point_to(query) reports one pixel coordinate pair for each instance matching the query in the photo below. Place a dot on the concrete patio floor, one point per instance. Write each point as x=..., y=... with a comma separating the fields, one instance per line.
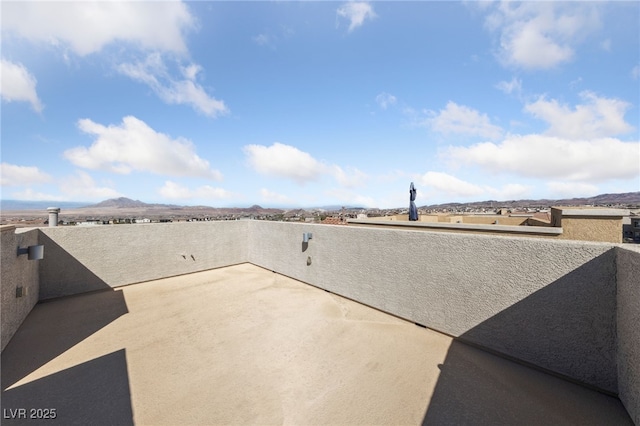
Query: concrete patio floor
x=243, y=345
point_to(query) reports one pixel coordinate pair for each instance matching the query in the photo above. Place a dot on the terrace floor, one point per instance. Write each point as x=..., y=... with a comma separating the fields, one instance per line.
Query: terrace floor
x=243, y=345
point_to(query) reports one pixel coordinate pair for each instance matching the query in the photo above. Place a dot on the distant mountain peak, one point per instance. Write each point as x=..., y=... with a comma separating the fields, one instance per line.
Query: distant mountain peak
x=121, y=202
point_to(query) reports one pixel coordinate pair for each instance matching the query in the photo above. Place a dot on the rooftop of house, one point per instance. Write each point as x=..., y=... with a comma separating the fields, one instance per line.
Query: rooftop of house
x=244, y=345
x=593, y=223
x=334, y=221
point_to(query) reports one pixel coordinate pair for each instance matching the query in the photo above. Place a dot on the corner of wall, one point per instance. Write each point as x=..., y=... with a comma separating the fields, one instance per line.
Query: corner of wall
x=19, y=280
x=628, y=332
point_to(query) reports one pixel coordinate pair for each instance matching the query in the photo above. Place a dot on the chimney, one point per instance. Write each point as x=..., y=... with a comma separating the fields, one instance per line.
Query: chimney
x=53, y=216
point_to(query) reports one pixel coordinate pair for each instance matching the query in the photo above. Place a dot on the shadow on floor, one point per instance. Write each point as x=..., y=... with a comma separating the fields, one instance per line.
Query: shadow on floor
x=478, y=388
x=54, y=327
x=95, y=392
x=568, y=327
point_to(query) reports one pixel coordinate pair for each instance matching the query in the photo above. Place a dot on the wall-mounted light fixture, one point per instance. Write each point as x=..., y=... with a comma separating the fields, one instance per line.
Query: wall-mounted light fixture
x=306, y=236
x=33, y=252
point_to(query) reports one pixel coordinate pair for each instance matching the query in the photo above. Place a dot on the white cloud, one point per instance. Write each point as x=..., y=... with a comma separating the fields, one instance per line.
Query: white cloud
x=190, y=72
x=14, y=175
x=154, y=73
x=81, y=186
x=271, y=38
x=176, y=191
x=575, y=83
x=356, y=13
x=606, y=45
x=450, y=185
x=87, y=26
x=262, y=39
x=541, y=35
x=511, y=191
x=596, y=118
x=351, y=178
x=418, y=117
x=541, y=156
x=284, y=161
x=384, y=100
x=571, y=189
x=18, y=84
x=509, y=87
x=134, y=145
x=459, y=119
x=273, y=197
x=635, y=72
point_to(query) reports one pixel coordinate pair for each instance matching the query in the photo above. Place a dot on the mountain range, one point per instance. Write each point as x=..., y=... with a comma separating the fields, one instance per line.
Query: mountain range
x=124, y=202
x=630, y=199
x=624, y=199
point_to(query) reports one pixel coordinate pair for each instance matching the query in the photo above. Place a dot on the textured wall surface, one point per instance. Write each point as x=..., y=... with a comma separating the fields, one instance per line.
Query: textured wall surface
x=464, y=228
x=547, y=302
x=487, y=220
x=16, y=272
x=629, y=330
x=550, y=303
x=592, y=229
x=81, y=259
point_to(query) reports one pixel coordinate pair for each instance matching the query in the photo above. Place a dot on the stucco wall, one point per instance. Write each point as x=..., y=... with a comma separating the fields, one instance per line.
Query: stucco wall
x=477, y=219
x=629, y=330
x=550, y=303
x=589, y=224
x=82, y=259
x=462, y=228
x=427, y=218
x=502, y=220
x=16, y=271
x=592, y=229
x=534, y=221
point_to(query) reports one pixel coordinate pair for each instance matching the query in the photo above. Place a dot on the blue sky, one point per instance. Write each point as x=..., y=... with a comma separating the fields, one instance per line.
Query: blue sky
x=319, y=103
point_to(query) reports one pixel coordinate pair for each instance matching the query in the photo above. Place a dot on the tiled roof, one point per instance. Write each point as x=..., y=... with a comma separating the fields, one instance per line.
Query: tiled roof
x=334, y=221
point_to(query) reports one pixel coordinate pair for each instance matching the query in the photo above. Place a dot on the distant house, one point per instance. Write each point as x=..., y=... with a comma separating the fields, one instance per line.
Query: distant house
x=563, y=223
x=632, y=228
x=90, y=222
x=334, y=221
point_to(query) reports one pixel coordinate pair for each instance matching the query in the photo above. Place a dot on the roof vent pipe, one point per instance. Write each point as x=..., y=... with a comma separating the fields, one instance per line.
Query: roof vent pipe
x=53, y=216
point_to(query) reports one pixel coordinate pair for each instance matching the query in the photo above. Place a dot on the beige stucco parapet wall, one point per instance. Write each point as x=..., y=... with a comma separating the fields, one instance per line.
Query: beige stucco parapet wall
x=589, y=224
x=567, y=223
x=467, y=228
x=628, y=331
x=568, y=307
x=16, y=272
x=81, y=259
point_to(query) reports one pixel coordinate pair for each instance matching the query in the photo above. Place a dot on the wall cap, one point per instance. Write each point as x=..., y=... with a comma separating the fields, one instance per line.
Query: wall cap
x=514, y=229
x=572, y=211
